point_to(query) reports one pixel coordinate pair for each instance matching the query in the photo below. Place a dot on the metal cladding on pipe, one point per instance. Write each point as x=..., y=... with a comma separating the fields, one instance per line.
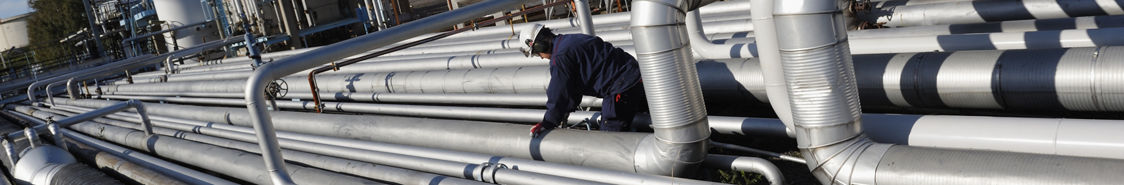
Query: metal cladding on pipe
x=529, y=100
x=1079, y=23
x=230, y=162
x=746, y=164
x=256, y=85
x=599, y=175
x=821, y=86
x=825, y=107
x=992, y=41
x=343, y=159
x=987, y=11
x=605, y=150
x=1078, y=79
x=41, y=164
x=672, y=86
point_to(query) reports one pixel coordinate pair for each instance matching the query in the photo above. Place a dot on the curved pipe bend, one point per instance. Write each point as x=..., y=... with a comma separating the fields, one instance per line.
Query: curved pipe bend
x=671, y=81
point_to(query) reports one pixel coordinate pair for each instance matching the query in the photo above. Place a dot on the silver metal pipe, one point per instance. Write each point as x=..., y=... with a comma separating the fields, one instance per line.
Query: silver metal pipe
x=70, y=91
x=314, y=154
x=245, y=143
x=746, y=164
x=584, y=18
x=564, y=170
x=991, y=41
x=231, y=162
x=826, y=110
x=256, y=84
x=987, y=11
x=529, y=100
x=1076, y=23
x=761, y=152
x=179, y=172
x=671, y=83
x=770, y=61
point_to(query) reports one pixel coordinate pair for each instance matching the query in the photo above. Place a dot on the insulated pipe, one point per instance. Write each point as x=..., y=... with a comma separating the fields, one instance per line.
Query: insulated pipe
x=991, y=41
x=583, y=16
x=530, y=100
x=721, y=124
x=167, y=168
x=770, y=61
x=986, y=11
x=256, y=84
x=132, y=172
x=705, y=48
x=41, y=164
x=124, y=64
x=326, y=157
x=821, y=85
x=599, y=175
x=1078, y=79
x=1077, y=23
x=386, y=173
x=230, y=162
x=674, y=95
x=746, y=164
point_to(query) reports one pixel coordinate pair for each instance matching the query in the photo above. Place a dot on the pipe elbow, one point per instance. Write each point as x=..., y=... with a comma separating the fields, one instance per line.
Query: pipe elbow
x=657, y=157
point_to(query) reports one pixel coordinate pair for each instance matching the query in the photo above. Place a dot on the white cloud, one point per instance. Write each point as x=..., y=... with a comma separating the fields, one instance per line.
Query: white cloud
x=9, y=8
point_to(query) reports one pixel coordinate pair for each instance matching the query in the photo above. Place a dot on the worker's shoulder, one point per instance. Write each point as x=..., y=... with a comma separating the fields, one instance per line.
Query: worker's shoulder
x=578, y=42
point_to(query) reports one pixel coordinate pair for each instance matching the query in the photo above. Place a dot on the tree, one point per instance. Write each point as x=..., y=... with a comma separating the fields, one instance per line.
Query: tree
x=52, y=21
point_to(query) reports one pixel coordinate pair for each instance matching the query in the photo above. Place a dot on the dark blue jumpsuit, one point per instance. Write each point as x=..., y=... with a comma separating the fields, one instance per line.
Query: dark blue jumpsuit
x=587, y=65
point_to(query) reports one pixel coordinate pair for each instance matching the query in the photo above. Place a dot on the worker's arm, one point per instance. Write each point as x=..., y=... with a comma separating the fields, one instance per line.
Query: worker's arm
x=562, y=94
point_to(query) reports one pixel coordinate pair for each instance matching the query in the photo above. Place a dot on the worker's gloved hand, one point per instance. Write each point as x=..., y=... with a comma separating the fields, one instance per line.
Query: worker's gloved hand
x=539, y=128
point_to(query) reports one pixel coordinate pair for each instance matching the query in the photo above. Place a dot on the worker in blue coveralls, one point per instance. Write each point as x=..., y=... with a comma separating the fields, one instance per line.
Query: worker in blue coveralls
x=586, y=65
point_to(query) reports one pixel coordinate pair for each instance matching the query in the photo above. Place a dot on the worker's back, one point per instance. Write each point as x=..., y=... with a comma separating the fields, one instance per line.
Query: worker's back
x=597, y=68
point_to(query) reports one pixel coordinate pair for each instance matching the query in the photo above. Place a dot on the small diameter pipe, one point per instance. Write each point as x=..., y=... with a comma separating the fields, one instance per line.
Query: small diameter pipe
x=758, y=151
x=746, y=164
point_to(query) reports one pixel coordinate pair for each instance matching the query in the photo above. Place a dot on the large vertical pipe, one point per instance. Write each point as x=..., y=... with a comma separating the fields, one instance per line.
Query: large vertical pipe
x=671, y=83
x=584, y=17
x=256, y=84
x=824, y=97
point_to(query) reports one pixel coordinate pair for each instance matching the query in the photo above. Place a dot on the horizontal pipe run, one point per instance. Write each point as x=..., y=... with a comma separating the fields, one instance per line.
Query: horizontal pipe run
x=1077, y=23
x=986, y=11
x=234, y=163
x=599, y=175
x=721, y=124
x=179, y=172
x=132, y=172
x=311, y=154
x=529, y=100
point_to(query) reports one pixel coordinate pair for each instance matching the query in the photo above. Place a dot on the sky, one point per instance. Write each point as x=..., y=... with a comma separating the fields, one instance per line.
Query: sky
x=9, y=8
